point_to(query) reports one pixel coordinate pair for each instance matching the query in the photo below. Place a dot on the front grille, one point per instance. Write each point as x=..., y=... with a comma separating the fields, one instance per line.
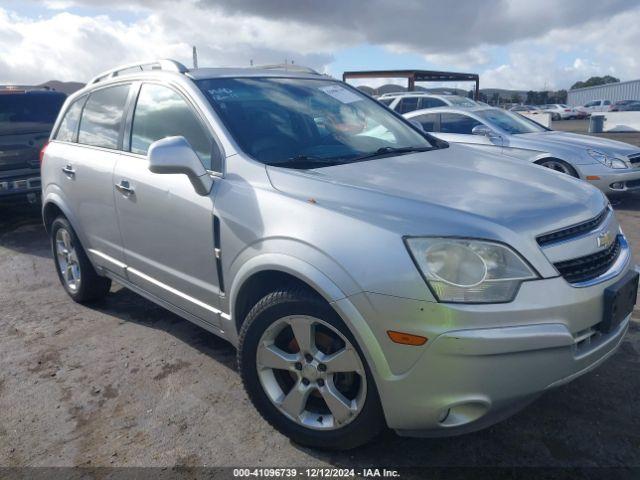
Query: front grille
x=632, y=183
x=635, y=158
x=573, y=231
x=587, y=268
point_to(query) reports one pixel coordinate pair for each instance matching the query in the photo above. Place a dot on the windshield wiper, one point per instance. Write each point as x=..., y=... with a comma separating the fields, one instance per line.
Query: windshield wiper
x=386, y=151
x=305, y=162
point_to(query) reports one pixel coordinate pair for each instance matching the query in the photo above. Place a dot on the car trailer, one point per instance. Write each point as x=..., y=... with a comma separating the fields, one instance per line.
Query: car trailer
x=414, y=76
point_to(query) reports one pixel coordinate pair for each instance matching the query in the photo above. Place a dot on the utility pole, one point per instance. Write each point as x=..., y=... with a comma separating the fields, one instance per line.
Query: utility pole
x=195, y=57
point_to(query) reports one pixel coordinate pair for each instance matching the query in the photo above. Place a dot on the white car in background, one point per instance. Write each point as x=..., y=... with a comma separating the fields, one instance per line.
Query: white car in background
x=612, y=166
x=404, y=102
x=594, y=106
x=560, y=111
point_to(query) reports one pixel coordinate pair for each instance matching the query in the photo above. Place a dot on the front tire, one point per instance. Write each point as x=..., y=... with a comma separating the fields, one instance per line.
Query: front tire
x=559, y=166
x=305, y=374
x=77, y=275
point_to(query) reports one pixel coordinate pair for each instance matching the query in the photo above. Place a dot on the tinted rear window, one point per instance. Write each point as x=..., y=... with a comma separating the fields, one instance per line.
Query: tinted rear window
x=102, y=117
x=69, y=125
x=408, y=104
x=37, y=109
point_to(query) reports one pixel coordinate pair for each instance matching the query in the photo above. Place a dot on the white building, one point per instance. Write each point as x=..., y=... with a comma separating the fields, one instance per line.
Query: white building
x=612, y=91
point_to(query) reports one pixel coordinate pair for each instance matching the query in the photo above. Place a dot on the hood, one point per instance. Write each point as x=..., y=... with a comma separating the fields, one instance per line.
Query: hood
x=456, y=185
x=21, y=128
x=566, y=139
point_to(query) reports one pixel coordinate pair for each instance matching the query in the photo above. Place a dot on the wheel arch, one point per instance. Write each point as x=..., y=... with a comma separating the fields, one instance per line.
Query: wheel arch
x=546, y=158
x=261, y=275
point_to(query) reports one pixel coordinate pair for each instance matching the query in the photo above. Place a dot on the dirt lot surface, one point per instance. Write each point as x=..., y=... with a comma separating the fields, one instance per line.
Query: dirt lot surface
x=127, y=383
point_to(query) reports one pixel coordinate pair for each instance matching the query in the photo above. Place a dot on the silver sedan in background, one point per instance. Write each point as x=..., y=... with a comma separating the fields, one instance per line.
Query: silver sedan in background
x=613, y=167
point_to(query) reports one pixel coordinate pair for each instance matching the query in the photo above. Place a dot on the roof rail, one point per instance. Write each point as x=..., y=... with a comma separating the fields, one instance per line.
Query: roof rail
x=407, y=93
x=162, y=64
x=291, y=68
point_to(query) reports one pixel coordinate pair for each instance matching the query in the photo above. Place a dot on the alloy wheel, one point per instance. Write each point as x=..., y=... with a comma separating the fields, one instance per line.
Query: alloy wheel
x=557, y=166
x=67, y=259
x=311, y=372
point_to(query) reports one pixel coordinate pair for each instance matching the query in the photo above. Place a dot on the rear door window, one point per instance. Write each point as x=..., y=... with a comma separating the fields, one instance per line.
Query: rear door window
x=408, y=104
x=457, y=123
x=428, y=121
x=69, y=126
x=161, y=112
x=431, y=103
x=102, y=117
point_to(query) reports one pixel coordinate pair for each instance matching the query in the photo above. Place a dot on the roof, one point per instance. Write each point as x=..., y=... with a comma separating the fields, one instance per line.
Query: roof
x=172, y=66
x=204, y=73
x=451, y=109
x=414, y=93
x=612, y=84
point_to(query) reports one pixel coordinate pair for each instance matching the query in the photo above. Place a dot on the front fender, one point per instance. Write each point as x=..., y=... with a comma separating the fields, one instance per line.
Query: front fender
x=325, y=286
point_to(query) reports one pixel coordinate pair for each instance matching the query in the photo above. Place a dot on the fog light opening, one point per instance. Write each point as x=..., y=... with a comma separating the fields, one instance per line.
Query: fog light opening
x=463, y=413
x=444, y=415
x=617, y=186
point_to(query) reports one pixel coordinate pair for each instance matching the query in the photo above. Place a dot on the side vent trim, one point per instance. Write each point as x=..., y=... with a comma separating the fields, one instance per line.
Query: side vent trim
x=218, y=252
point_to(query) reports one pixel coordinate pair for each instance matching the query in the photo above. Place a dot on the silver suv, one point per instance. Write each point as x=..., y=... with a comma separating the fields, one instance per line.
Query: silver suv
x=370, y=275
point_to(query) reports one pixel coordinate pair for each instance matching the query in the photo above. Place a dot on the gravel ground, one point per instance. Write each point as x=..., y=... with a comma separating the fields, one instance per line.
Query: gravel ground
x=126, y=383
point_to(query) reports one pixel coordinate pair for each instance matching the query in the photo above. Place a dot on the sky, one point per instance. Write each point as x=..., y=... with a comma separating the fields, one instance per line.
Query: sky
x=513, y=44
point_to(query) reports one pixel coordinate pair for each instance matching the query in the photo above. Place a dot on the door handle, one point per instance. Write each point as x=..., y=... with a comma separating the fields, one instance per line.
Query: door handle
x=125, y=188
x=68, y=170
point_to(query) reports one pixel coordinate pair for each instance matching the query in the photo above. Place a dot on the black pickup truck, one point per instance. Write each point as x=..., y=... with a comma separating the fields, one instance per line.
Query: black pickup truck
x=26, y=120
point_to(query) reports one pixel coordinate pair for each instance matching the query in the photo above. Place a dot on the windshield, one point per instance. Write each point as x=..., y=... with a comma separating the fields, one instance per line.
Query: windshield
x=24, y=110
x=307, y=123
x=510, y=122
x=461, y=101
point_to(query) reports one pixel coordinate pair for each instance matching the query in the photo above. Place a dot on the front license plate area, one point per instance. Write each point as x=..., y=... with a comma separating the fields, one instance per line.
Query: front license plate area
x=619, y=300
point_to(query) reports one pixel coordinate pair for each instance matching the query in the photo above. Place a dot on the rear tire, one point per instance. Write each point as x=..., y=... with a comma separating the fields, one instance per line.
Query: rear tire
x=77, y=275
x=316, y=423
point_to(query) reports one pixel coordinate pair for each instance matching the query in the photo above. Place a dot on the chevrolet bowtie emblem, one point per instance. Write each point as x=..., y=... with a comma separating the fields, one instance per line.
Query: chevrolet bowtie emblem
x=605, y=239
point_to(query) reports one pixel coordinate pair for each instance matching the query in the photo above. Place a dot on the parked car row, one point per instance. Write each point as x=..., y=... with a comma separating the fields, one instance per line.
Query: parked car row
x=371, y=275
x=625, y=106
x=608, y=106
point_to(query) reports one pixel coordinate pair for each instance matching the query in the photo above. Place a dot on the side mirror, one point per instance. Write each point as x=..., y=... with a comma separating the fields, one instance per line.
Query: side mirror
x=175, y=155
x=482, y=130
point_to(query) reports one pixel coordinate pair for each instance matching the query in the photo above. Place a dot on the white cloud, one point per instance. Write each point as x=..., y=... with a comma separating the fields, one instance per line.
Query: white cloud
x=68, y=46
x=548, y=43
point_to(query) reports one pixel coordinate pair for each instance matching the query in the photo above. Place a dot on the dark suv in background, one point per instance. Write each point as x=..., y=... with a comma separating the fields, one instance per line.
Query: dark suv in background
x=26, y=119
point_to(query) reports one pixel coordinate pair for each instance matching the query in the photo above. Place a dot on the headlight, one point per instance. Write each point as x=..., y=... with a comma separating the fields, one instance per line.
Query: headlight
x=606, y=160
x=469, y=271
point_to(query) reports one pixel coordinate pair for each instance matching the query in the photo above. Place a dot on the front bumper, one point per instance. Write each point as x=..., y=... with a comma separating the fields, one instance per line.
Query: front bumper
x=482, y=363
x=629, y=179
x=20, y=185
